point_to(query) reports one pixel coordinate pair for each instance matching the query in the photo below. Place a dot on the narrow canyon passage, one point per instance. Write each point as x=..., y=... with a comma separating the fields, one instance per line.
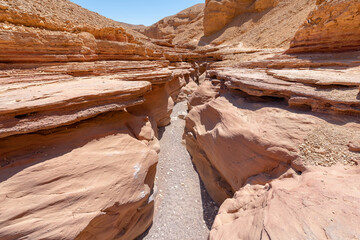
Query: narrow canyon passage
x=183, y=208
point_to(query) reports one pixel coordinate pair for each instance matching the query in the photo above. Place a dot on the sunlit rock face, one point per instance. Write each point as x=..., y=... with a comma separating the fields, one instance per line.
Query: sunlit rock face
x=273, y=134
x=307, y=206
x=88, y=180
x=82, y=98
x=219, y=13
x=332, y=26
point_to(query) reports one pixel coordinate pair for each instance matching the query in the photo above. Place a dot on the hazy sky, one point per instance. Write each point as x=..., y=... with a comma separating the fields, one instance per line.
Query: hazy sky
x=144, y=12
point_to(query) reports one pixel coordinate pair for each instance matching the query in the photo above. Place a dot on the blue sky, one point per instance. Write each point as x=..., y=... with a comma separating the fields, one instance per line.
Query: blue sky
x=144, y=12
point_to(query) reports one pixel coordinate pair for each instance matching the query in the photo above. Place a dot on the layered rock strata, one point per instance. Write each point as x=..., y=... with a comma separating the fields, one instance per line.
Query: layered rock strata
x=273, y=136
x=81, y=99
x=178, y=29
x=249, y=139
x=52, y=120
x=219, y=13
x=332, y=26
x=316, y=89
x=28, y=44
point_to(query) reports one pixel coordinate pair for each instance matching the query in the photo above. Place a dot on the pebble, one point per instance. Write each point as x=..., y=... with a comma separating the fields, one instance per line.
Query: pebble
x=181, y=209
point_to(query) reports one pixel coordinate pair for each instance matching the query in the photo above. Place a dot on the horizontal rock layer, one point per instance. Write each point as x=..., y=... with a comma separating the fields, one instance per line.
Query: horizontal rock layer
x=81, y=100
x=48, y=96
x=28, y=44
x=66, y=183
x=265, y=125
x=332, y=26
x=308, y=91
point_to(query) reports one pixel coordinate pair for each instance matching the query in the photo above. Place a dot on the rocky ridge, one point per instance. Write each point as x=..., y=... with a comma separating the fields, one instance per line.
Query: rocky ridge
x=179, y=29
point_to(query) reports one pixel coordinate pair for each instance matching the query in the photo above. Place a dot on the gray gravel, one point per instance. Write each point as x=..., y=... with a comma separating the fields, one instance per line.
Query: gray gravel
x=183, y=208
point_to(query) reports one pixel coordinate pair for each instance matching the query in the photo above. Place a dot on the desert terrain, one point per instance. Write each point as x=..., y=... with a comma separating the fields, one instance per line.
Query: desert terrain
x=233, y=119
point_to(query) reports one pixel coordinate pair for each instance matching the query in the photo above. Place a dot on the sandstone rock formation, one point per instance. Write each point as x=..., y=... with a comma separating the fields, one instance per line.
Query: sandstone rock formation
x=273, y=130
x=243, y=134
x=65, y=182
x=178, y=29
x=219, y=13
x=81, y=99
x=332, y=26
x=306, y=206
x=254, y=138
x=274, y=135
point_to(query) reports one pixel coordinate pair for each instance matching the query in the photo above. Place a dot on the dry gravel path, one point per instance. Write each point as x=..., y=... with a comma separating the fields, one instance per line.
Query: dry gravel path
x=183, y=209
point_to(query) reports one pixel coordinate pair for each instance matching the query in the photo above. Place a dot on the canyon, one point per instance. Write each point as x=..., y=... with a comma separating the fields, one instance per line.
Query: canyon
x=263, y=142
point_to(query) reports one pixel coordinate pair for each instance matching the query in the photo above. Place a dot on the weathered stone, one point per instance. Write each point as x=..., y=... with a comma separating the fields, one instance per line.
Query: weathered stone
x=306, y=206
x=65, y=182
x=354, y=145
x=219, y=13
x=332, y=26
x=297, y=92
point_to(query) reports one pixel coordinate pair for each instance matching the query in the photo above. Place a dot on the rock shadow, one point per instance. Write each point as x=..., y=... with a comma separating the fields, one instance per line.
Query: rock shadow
x=329, y=60
x=44, y=145
x=142, y=236
x=236, y=22
x=242, y=100
x=210, y=208
x=161, y=131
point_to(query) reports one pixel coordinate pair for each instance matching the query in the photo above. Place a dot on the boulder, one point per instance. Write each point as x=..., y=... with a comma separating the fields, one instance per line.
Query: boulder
x=89, y=180
x=319, y=204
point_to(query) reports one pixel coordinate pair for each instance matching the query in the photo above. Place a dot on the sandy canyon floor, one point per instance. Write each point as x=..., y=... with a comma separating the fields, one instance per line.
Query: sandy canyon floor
x=182, y=205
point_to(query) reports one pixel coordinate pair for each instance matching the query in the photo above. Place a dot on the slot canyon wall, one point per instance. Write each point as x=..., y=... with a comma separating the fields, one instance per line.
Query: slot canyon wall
x=273, y=132
x=82, y=97
x=273, y=127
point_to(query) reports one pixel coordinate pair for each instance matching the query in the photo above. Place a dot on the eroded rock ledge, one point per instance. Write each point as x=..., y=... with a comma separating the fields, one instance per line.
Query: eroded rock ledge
x=270, y=133
x=81, y=103
x=332, y=26
x=273, y=135
x=73, y=135
x=257, y=138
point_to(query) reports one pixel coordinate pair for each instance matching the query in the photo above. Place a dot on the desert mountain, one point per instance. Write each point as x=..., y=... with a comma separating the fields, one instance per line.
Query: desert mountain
x=251, y=24
x=184, y=28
